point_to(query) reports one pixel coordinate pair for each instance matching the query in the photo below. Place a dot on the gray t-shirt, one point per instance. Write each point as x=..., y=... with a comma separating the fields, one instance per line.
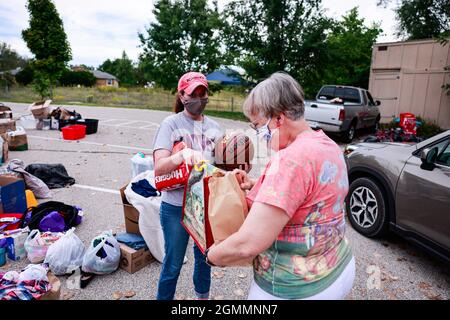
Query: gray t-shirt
x=198, y=135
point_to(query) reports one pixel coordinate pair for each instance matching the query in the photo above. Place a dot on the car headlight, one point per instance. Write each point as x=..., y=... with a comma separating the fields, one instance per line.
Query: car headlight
x=349, y=149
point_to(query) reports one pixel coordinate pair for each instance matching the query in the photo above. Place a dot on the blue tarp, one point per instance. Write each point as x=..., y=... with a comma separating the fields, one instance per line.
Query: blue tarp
x=224, y=77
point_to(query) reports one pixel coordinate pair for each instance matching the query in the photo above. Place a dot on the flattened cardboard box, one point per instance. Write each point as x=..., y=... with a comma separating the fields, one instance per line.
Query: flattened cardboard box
x=131, y=214
x=132, y=260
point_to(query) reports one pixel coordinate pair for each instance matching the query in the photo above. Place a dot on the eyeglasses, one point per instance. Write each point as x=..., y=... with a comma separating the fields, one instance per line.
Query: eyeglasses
x=261, y=129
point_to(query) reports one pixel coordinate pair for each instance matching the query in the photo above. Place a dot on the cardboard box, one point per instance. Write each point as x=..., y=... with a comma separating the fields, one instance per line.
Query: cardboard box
x=5, y=148
x=55, y=292
x=15, y=249
x=130, y=213
x=134, y=260
x=12, y=194
x=7, y=125
x=41, y=109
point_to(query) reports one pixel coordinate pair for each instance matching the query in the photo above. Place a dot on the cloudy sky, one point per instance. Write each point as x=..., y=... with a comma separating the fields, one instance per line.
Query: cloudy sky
x=102, y=29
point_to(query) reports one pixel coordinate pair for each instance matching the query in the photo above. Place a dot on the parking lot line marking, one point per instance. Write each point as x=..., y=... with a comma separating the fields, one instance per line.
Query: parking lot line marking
x=148, y=126
x=81, y=186
x=128, y=123
x=108, y=120
x=91, y=143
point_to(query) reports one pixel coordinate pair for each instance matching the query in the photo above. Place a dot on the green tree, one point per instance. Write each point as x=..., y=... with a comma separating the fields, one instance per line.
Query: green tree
x=123, y=68
x=9, y=58
x=73, y=78
x=272, y=35
x=185, y=37
x=422, y=19
x=47, y=40
x=350, y=51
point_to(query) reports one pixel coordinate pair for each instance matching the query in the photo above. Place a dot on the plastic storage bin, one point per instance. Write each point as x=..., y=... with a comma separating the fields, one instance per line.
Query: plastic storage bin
x=74, y=132
x=91, y=125
x=65, y=123
x=140, y=163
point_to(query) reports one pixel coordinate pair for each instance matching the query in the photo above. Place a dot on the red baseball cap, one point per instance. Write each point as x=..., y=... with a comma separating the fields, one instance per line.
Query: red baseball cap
x=191, y=80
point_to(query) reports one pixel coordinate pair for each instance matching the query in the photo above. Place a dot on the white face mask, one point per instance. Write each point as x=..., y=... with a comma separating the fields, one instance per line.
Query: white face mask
x=265, y=131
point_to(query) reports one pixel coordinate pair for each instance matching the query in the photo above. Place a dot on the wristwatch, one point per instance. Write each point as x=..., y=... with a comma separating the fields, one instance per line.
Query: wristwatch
x=209, y=263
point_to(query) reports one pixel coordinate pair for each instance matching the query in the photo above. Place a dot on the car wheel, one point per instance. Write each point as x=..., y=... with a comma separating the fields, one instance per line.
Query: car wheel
x=376, y=126
x=366, y=208
x=350, y=133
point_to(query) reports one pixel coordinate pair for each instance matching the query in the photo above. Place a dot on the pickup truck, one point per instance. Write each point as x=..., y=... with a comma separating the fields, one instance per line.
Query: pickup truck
x=342, y=110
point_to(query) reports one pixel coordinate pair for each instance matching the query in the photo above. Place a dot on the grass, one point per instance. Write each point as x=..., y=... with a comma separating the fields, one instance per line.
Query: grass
x=225, y=104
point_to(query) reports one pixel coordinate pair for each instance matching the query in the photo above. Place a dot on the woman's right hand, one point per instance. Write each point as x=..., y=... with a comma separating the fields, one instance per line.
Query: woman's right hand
x=244, y=181
x=189, y=156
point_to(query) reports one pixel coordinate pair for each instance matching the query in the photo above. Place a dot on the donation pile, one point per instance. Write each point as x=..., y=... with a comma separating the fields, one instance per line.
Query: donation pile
x=70, y=123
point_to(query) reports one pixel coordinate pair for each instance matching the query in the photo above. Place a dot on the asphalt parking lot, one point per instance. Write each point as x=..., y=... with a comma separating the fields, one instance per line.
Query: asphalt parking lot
x=389, y=268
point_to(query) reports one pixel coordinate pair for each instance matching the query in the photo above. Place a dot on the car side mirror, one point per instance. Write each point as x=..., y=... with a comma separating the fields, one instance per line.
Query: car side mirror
x=377, y=102
x=428, y=157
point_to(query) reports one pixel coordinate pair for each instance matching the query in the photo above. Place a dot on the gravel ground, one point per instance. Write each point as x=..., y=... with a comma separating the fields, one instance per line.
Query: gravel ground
x=390, y=268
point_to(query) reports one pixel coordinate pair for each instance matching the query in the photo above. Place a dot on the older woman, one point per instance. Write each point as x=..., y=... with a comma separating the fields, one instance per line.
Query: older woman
x=295, y=226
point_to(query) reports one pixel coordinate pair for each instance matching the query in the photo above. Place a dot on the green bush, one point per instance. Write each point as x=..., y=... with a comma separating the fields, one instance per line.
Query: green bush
x=25, y=76
x=74, y=78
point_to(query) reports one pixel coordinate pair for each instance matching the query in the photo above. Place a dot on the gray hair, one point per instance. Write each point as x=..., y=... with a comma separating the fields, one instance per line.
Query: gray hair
x=280, y=93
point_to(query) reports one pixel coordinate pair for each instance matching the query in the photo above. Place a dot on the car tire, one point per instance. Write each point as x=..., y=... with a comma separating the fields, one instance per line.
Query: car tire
x=350, y=134
x=371, y=217
x=376, y=126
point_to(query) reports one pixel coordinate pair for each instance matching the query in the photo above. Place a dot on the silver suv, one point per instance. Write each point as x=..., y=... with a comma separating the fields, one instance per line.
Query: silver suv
x=404, y=188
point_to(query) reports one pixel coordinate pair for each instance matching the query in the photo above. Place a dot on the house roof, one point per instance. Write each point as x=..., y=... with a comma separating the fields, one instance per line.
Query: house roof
x=103, y=75
x=13, y=71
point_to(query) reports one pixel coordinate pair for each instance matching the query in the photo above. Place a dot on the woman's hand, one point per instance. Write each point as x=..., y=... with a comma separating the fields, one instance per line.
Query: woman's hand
x=189, y=156
x=244, y=181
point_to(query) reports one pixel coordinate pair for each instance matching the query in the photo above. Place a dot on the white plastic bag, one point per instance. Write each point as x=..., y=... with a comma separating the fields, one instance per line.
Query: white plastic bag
x=37, y=244
x=103, y=255
x=149, y=221
x=66, y=254
x=33, y=272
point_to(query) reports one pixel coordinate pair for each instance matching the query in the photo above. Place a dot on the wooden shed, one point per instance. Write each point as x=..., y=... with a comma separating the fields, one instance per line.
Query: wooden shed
x=408, y=77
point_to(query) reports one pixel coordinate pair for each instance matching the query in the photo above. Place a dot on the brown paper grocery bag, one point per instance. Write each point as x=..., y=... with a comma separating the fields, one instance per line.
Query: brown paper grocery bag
x=227, y=207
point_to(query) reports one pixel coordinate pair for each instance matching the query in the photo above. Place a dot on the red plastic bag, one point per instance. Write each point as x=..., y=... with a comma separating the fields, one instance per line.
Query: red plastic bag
x=178, y=177
x=408, y=123
x=10, y=221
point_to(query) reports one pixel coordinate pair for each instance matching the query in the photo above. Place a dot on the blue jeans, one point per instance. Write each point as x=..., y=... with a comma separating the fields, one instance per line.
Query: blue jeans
x=176, y=240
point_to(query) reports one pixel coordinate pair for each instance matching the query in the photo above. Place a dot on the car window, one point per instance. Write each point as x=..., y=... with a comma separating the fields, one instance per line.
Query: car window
x=444, y=156
x=371, y=101
x=351, y=95
x=365, y=97
x=327, y=93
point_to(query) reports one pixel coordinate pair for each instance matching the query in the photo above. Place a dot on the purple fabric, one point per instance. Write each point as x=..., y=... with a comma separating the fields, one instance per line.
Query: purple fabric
x=52, y=222
x=3, y=243
x=28, y=217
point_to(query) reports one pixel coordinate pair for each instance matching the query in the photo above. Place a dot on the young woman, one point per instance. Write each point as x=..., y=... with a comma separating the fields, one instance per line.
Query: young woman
x=200, y=134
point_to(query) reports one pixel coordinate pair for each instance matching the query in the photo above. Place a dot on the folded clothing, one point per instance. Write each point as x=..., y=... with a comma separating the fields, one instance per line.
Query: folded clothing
x=144, y=188
x=134, y=241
